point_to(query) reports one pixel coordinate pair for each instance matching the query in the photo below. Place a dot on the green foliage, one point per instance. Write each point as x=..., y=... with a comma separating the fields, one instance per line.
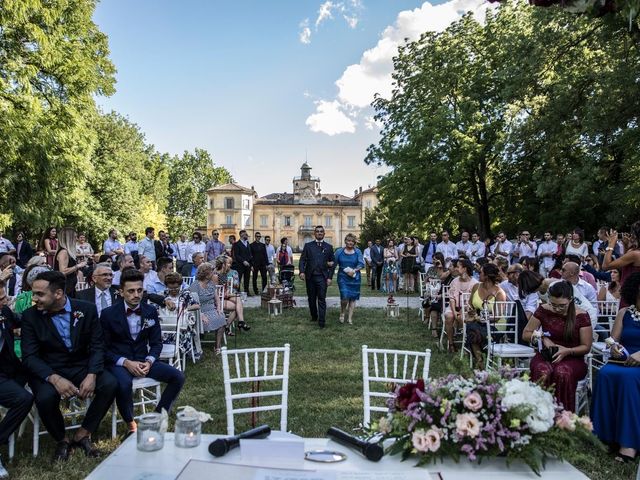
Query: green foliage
x=526, y=121
x=190, y=176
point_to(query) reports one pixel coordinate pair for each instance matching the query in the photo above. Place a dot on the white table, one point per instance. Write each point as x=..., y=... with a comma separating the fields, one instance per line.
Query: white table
x=127, y=463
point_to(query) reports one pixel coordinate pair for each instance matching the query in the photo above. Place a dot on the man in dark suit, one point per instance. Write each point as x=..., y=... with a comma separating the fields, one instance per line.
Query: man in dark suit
x=24, y=252
x=259, y=262
x=242, y=260
x=377, y=262
x=13, y=395
x=102, y=294
x=316, y=269
x=162, y=246
x=133, y=342
x=63, y=351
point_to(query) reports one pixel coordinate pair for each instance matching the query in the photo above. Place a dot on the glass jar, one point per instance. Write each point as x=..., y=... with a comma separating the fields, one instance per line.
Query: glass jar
x=188, y=429
x=150, y=438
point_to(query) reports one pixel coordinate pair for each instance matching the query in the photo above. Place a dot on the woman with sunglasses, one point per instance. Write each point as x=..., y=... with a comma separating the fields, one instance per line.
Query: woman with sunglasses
x=565, y=333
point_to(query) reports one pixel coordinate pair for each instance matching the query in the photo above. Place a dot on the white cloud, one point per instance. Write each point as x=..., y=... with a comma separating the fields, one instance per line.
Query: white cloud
x=330, y=119
x=360, y=82
x=305, y=33
x=324, y=12
x=351, y=21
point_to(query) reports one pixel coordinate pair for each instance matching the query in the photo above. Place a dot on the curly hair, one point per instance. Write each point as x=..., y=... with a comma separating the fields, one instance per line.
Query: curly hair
x=631, y=289
x=204, y=270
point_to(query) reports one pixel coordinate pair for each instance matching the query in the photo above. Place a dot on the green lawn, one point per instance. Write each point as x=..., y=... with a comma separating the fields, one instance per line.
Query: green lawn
x=325, y=386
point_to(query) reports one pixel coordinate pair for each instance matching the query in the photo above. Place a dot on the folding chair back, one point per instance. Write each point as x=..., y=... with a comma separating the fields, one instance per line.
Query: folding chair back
x=253, y=366
x=505, y=342
x=188, y=280
x=171, y=339
x=388, y=369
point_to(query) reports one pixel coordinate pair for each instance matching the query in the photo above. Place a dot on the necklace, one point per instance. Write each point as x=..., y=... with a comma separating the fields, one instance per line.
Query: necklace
x=635, y=315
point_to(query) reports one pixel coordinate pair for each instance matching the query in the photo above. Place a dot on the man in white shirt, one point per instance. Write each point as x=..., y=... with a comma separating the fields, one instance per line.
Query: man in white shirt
x=131, y=247
x=147, y=248
x=525, y=247
x=464, y=245
x=477, y=249
x=112, y=246
x=150, y=275
x=510, y=287
x=124, y=261
x=195, y=246
x=546, y=250
x=6, y=246
x=584, y=294
x=447, y=248
x=271, y=255
x=367, y=260
x=503, y=247
x=180, y=252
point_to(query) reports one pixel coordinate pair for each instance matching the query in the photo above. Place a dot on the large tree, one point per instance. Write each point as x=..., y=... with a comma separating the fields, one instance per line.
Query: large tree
x=53, y=61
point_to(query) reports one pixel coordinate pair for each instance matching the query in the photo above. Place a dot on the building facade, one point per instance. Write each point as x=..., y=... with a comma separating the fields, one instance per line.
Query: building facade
x=232, y=207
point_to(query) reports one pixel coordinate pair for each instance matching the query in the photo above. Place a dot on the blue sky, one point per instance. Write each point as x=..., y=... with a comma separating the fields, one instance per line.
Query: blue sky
x=261, y=84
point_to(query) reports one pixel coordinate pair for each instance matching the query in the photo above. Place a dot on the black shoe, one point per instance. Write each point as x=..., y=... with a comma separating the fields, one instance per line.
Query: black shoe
x=228, y=332
x=61, y=453
x=322, y=325
x=85, y=445
x=244, y=326
x=314, y=319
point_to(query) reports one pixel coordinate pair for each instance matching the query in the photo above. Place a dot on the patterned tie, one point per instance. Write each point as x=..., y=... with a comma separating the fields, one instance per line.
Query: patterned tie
x=103, y=301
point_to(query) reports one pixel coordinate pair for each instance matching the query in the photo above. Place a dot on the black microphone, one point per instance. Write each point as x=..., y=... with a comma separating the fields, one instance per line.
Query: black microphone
x=221, y=446
x=372, y=451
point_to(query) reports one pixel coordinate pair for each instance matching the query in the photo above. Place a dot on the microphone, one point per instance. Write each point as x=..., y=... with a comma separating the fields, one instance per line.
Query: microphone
x=372, y=451
x=221, y=446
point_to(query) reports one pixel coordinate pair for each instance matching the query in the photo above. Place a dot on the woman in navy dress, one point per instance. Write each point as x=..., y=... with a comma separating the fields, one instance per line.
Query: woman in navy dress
x=350, y=261
x=616, y=398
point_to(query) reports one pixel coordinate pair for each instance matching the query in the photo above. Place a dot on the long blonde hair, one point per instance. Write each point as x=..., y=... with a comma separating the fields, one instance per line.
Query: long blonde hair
x=67, y=240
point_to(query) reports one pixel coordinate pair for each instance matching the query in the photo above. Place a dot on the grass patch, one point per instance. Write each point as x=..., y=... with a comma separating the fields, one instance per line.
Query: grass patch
x=325, y=386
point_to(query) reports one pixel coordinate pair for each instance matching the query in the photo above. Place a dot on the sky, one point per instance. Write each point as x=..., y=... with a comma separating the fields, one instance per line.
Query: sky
x=264, y=85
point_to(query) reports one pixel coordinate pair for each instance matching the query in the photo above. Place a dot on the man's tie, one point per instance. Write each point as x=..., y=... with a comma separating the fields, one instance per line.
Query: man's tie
x=133, y=311
x=103, y=301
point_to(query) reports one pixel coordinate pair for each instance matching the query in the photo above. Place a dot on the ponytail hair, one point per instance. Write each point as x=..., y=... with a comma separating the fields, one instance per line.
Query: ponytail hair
x=564, y=289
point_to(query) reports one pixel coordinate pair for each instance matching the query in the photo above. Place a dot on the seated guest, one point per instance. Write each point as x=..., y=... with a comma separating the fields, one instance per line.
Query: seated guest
x=568, y=341
x=204, y=286
x=616, y=398
x=123, y=261
x=102, y=294
x=192, y=268
x=133, y=343
x=63, y=351
x=13, y=395
x=611, y=292
x=584, y=294
x=11, y=274
x=165, y=266
x=461, y=284
x=24, y=299
x=483, y=295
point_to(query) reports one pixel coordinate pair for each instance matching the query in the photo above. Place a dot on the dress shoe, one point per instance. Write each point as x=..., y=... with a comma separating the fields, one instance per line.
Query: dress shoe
x=244, y=326
x=85, y=445
x=321, y=325
x=61, y=453
x=314, y=319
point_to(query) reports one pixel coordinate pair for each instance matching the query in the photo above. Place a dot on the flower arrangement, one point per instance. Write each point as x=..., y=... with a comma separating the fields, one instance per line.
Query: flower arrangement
x=488, y=415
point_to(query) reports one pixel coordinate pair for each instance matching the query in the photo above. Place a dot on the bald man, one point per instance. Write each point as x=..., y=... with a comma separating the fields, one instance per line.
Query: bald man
x=584, y=294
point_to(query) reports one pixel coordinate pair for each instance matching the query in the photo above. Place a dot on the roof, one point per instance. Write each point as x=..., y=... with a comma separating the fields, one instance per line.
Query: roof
x=231, y=187
x=368, y=190
x=288, y=199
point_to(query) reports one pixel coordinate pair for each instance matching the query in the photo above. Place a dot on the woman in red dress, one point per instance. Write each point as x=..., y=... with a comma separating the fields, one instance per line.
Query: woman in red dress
x=629, y=263
x=568, y=335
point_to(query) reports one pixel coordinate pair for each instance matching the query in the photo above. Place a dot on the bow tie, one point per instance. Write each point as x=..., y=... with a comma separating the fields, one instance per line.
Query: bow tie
x=133, y=311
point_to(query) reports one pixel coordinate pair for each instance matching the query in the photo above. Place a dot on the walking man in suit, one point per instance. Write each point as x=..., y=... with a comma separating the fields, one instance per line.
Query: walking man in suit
x=377, y=261
x=242, y=260
x=13, y=395
x=102, y=294
x=316, y=269
x=259, y=262
x=63, y=350
x=133, y=342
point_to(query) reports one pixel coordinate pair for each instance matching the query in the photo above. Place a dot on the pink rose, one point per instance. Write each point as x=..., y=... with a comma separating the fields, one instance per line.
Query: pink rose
x=473, y=401
x=586, y=423
x=421, y=441
x=566, y=421
x=467, y=425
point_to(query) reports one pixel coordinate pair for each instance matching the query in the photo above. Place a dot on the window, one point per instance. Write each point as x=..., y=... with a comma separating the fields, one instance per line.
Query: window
x=327, y=221
x=287, y=221
x=263, y=220
x=307, y=220
x=228, y=203
x=229, y=219
x=368, y=204
x=210, y=203
x=246, y=204
x=351, y=221
x=247, y=220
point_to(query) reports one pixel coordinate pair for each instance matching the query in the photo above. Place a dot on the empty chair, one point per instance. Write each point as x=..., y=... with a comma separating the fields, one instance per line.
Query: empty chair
x=387, y=369
x=254, y=367
x=504, y=344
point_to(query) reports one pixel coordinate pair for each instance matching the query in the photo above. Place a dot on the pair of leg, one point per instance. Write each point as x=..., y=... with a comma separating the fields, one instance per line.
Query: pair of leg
x=317, y=296
x=368, y=270
x=159, y=371
x=451, y=322
x=346, y=307
x=263, y=275
x=18, y=403
x=564, y=375
x=408, y=282
x=47, y=401
x=375, y=277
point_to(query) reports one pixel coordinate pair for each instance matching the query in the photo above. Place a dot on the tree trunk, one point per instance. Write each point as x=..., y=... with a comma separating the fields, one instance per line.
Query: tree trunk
x=482, y=206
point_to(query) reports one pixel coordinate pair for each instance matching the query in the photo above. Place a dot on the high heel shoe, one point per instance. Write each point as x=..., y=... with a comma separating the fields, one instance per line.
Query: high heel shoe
x=244, y=326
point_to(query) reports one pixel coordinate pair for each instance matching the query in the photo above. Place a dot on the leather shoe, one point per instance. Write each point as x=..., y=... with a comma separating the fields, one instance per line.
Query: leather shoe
x=314, y=319
x=85, y=445
x=61, y=453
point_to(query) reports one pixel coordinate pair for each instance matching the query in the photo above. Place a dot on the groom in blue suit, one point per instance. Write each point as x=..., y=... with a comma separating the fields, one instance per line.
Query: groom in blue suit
x=133, y=343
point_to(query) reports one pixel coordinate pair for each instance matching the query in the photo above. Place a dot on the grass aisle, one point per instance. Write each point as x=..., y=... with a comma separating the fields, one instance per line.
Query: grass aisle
x=325, y=385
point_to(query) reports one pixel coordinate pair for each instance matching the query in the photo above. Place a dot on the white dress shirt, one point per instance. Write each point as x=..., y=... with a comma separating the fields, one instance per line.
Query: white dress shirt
x=548, y=246
x=526, y=249
x=505, y=248
x=271, y=253
x=529, y=303
x=476, y=251
x=367, y=255
x=180, y=251
x=448, y=250
x=465, y=247
x=193, y=248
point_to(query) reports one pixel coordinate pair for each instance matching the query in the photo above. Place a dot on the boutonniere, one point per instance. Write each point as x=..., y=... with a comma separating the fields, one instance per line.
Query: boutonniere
x=77, y=315
x=147, y=323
